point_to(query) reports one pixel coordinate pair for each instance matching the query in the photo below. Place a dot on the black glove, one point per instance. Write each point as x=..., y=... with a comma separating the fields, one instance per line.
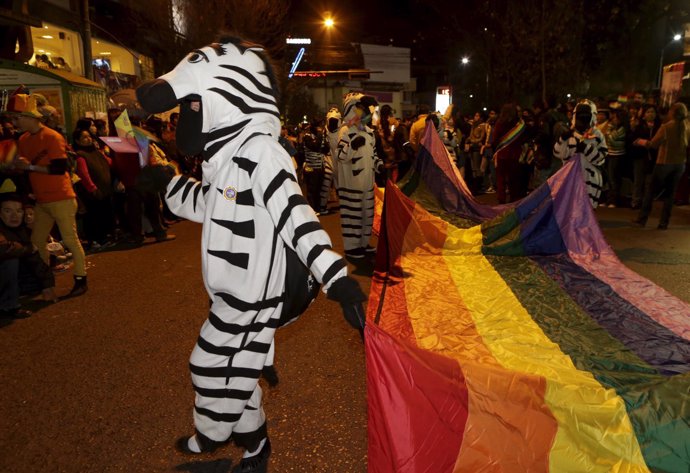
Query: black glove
x=580, y=147
x=349, y=295
x=357, y=143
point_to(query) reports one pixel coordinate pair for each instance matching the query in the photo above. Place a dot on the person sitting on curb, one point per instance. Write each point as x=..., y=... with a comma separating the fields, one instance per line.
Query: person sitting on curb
x=20, y=262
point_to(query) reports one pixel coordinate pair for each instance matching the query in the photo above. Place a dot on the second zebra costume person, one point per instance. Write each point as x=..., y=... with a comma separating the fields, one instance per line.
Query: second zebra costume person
x=248, y=201
x=357, y=163
x=584, y=138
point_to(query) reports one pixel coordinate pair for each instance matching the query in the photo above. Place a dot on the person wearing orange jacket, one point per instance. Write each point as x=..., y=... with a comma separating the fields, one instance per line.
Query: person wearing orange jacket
x=42, y=152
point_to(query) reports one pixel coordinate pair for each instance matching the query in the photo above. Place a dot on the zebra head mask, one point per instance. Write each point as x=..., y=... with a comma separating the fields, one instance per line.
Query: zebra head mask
x=585, y=115
x=358, y=107
x=221, y=88
x=333, y=120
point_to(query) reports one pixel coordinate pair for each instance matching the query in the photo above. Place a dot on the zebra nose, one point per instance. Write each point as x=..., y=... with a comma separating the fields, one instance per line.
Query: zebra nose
x=156, y=96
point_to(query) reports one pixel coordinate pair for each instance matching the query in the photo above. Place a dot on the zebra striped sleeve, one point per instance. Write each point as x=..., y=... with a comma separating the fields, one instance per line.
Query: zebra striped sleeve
x=185, y=198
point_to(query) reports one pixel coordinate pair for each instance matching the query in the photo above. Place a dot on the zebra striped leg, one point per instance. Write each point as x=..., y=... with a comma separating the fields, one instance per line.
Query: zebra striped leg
x=226, y=381
x=251, y=428
x=327, y=181
x=351, y=211
x=367, y=218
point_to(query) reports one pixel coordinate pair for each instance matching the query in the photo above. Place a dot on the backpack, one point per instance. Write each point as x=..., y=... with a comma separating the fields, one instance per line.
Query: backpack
x=301, y=287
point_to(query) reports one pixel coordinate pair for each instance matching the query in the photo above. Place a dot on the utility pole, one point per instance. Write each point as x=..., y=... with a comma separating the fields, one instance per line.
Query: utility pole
x=86, y=39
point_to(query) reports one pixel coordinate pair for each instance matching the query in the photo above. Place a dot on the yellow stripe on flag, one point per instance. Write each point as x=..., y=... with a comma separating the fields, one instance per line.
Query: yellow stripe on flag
x=594, y=431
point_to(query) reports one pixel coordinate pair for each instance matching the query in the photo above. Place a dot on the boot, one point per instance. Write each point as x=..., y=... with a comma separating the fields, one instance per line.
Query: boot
x=80, y=287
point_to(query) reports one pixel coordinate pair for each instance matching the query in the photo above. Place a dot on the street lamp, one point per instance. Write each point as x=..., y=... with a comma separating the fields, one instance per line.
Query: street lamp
x=676, y=38
x=465, y=60
x=328, y=23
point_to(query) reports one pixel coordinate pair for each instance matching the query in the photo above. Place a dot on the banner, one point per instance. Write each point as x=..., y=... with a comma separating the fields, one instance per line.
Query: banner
x=672, y=83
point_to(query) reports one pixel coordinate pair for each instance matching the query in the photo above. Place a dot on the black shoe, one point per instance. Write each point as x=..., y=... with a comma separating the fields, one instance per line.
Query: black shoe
x=662, y=226
x=17, y=313
x=162, y=238
x=357, y=253
x=80, y=287
x=256, y=464
x=270, y=375
x=639, y=222
x=205, y=444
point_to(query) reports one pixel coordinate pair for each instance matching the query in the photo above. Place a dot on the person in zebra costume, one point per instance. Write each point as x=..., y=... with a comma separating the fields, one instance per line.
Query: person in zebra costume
x=357, y=163
x=585, y=139
x=330, y=169
x=248, y=201
x=315, y=150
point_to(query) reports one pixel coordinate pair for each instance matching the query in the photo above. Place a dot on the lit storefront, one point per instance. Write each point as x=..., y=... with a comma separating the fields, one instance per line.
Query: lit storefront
x=114, y=66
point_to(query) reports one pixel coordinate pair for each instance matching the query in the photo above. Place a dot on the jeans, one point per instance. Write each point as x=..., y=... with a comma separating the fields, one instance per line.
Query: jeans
x=642, y=179
x=664, y=177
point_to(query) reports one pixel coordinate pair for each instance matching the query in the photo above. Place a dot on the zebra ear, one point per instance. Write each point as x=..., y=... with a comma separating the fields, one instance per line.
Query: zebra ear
x=189, y=137
x=156, y=96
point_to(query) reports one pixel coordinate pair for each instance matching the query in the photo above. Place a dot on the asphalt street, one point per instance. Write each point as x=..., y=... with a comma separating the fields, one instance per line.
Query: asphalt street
x=100, y=383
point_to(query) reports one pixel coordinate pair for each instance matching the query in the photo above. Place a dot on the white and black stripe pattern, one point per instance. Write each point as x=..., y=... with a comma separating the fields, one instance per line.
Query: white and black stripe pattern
x=594, y=156
x=248, y=193
x=327, y=182
x=356, y=170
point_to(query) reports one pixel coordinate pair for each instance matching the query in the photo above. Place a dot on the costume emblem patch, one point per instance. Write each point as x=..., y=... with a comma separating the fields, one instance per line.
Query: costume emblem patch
x=230, y=193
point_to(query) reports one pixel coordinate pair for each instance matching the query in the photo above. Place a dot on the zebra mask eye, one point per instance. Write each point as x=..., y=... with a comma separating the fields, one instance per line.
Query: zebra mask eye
x=197, y=56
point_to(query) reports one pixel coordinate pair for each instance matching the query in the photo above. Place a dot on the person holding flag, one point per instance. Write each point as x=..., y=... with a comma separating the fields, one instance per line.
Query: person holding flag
x=508, y=136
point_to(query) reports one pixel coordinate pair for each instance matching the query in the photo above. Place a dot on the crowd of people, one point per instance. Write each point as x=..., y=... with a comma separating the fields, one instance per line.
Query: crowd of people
x=511, y=150
x=87, y=198
x=64, y=199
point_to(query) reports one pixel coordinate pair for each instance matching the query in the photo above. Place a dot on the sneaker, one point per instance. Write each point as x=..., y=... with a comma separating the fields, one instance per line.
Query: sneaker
x=168, y=237
x=256, y=464
x=16, y=313
x=357, y=253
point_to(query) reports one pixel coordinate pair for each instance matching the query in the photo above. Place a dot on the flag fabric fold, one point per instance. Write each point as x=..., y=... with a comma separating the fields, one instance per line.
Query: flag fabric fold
x=511, y=338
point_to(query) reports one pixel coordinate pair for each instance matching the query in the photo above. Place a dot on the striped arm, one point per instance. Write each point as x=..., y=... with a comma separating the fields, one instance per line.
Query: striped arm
x=185, y=198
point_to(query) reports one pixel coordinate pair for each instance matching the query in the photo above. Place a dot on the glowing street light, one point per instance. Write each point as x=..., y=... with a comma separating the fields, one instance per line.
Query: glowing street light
x=329, y=22
x=465, y=60
x=676, y=37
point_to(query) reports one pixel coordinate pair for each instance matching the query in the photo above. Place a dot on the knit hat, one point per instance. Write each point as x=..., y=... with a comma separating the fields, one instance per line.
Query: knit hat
x=23, y=105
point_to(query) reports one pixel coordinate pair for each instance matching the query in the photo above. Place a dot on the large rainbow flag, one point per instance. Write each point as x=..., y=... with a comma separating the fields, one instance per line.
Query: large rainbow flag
x=512, y=339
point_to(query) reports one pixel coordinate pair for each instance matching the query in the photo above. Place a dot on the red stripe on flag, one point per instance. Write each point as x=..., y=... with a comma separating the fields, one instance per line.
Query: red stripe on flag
x=417, y=402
